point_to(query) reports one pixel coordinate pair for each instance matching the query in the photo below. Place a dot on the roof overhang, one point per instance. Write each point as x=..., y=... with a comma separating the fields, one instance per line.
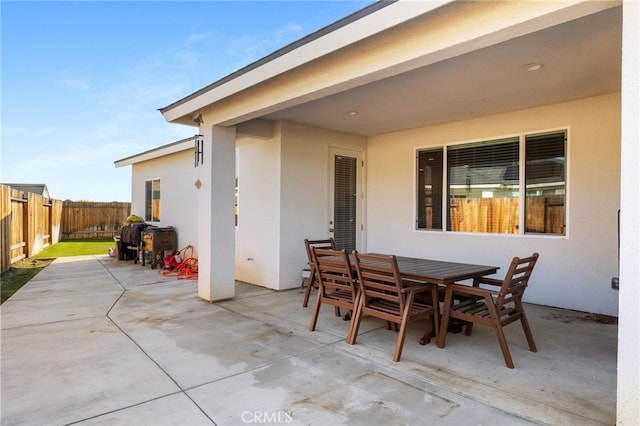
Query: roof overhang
x=411, y=64
x=356, y=27
x=161, y=151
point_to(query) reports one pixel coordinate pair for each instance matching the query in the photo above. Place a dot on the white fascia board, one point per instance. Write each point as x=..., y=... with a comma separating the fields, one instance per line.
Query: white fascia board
x=365, y=27
x=172, y=148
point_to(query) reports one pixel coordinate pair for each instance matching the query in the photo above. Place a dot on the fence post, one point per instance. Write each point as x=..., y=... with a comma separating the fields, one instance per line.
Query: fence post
x=5, y=228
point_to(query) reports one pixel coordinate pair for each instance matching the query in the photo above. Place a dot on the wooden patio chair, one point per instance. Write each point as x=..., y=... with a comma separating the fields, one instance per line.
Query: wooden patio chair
x=384, y=295
x=313, y=278
x=336, y=283
x=496, y=306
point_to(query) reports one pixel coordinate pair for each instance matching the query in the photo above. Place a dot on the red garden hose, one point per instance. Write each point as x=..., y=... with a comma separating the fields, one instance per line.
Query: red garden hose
x=187, y=269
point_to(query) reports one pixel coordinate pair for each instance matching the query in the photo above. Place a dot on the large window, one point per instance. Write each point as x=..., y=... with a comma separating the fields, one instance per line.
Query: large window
x=482, y=183
x=483, y=186
x=152, y=200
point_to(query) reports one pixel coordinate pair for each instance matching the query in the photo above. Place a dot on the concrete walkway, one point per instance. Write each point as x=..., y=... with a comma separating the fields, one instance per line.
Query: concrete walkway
x=97, y=341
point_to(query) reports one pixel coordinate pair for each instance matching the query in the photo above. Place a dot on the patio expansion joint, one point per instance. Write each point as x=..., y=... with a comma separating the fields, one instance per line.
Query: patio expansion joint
x=128, y=407
x=111, y=274
x=113, y=305
x=146, y=354
x=40, y=324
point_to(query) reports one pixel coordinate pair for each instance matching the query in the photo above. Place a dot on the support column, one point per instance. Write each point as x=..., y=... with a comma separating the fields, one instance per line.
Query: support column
x=216, y=220
x=628, y=392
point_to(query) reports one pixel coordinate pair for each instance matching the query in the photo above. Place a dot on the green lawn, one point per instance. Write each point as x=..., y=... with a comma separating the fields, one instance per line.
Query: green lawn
x=77, y=248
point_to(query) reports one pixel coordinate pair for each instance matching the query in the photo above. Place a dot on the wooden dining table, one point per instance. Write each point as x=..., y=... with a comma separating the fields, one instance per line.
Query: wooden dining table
x=441, y=272
x=437, y=271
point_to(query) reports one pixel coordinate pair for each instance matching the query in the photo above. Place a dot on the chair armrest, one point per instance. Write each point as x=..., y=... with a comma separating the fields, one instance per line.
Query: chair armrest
x=471, y=291
x=419, y=288
x=491, y=281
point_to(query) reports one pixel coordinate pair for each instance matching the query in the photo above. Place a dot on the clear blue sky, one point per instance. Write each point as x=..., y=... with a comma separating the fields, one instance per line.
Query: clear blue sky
x=82, y=81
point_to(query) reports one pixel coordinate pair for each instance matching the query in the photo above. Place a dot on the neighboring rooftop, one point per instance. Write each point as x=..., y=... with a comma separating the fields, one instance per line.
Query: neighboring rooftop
x=34, y=188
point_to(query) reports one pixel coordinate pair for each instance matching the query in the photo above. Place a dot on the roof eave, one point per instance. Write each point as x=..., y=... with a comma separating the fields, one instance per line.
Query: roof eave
x=358, y=26
x=161, y=151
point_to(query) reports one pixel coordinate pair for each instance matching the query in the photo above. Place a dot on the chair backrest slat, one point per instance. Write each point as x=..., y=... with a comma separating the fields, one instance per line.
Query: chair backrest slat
x=516, y=279
x=322, y=244
x=334, y=269
x=379, y=278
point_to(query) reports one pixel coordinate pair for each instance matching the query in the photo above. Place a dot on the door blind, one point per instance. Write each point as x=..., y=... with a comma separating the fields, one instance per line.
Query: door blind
x=345, y=194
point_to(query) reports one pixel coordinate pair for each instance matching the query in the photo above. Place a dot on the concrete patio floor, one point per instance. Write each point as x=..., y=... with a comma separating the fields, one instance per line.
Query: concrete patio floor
x=97, y=341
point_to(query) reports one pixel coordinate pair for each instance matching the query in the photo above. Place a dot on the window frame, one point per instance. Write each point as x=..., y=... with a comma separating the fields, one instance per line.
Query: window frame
x=523, y=211
x=149, y=214
x=237, y=189
x=479, y=161
x=522, y=184
x=441, y=151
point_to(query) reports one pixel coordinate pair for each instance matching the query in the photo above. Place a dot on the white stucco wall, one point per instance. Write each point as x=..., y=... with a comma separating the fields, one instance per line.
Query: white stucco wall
x=304, y=209
x=283, y=199
x=257, y=233
x=574, y=271
x=178, y=201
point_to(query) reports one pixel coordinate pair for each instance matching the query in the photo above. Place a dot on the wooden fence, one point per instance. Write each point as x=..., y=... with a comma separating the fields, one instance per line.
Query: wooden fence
x=87, y=219
x=492, y=215
x=544, y=214
x=30, y=222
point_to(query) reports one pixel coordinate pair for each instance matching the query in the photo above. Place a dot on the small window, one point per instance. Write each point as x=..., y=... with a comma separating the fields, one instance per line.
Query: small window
x=545, y=184
x=429, y=189
x=237, y=207
x=152, y=200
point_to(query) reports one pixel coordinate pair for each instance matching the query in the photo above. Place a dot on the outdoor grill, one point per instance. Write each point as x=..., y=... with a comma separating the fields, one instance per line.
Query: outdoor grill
x=157, y=241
